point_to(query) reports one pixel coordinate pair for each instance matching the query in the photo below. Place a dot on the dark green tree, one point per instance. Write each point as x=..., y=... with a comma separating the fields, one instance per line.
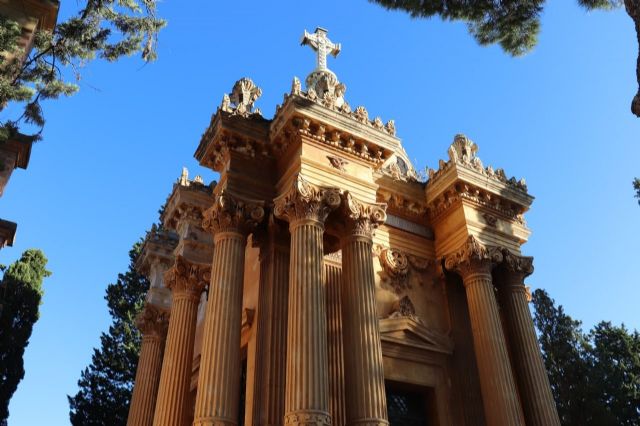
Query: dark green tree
x=595, y=378
x=20, y=298
x=105, y=386
x=513, y=24
x=107, y=29
x=636, y=187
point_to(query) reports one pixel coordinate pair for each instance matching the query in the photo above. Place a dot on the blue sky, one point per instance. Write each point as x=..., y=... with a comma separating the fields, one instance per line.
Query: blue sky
x=558, y=117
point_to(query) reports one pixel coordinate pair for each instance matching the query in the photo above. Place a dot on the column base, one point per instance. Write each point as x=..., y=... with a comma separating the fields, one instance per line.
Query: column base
x=368, y=422
x=307, y=418
x=214, y=421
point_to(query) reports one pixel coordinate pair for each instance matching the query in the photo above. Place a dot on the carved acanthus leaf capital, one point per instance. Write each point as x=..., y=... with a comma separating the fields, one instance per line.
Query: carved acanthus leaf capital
x=304, y=200
x=153, y=321
x=520, y=265
x=362, y=218
x=233, y=214
x=473, y=257
x=187, y=277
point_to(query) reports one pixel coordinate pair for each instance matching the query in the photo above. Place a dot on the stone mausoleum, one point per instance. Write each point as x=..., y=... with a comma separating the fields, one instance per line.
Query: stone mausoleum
x=322, y=281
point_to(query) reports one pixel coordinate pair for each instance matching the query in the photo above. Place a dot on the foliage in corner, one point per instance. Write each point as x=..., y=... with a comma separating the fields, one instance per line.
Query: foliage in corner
x=636, y=187
x=595, y=377
x=107, y=29
x=105, y=386
x=513, y=24
x=20, y=298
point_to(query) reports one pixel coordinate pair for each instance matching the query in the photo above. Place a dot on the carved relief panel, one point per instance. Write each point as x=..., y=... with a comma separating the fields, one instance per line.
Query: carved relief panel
x=408, y=286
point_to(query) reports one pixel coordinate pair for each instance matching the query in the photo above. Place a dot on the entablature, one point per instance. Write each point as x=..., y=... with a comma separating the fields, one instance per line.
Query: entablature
x=300, y=116
x=187, y=202
x=157, y=248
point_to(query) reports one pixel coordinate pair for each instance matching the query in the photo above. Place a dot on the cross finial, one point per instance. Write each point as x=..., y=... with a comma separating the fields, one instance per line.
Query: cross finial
x=322, y=46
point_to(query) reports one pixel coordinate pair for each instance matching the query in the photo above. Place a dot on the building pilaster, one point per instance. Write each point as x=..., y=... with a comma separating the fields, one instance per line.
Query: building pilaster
x=152, y=323
x=333, y=284
x=186, y=281
x=306, y=207
x=531, y=375
x=364, y=376
x=230, y=220
x=269, y=394
x=474, y=263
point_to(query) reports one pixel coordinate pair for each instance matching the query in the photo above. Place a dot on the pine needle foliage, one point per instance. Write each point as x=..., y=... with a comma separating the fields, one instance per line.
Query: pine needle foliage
x=20, y=298
x=595, y=377
x=105, y=29
x=512, y=24
x=105, y=386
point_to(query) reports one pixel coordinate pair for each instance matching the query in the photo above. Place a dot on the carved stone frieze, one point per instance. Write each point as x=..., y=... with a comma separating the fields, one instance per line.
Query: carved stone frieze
x=321, y=133
x=462, y=152
x=187, y=277
x=230, y=213
x=242, y=99
x=304, y=200
x=473, y=257
x=337, y=163
x=480, y=198
x=400, y=170
x=401, y=203
x=153, y=321
x=362, y=219
x=400, y=270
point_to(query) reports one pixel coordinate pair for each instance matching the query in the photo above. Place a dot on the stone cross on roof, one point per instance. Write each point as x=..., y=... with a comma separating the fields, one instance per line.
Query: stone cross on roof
x=322, y=45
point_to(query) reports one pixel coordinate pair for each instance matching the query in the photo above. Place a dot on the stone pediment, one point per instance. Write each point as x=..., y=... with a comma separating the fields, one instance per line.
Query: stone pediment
x=407, y=331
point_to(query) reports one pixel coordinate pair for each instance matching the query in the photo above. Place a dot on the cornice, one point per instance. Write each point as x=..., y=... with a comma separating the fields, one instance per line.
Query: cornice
x=302, y=117
x=157, y=247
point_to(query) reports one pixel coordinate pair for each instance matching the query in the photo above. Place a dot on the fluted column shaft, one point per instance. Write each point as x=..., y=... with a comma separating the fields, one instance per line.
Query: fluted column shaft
x=173, y=392
x=537, y=400
x=153, y=325
x=333, y=280
x=307, y=386
x=271, y=331
x=219, y=377
x=499, y=394
x=364, y=375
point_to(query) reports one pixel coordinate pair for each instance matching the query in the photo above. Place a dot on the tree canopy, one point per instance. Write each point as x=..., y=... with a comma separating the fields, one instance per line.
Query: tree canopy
x=20, y=298
x=513, y=24
x=105, y=386
x=107, y=29
x=595, y=377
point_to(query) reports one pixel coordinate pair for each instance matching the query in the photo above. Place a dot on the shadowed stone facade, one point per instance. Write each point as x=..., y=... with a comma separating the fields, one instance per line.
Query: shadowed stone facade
x=322, y=281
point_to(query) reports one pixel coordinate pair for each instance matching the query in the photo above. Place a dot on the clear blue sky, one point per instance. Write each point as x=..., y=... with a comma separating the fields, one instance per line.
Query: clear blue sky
x=558, y=116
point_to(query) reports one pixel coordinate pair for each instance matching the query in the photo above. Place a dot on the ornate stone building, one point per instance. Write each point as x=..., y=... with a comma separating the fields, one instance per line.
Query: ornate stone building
x=322, y=281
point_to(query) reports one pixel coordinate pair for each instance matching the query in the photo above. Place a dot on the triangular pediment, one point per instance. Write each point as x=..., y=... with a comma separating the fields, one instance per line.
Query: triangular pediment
x=409, y=331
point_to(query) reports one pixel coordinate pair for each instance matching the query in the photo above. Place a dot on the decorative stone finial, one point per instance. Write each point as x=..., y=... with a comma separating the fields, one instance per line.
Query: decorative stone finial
x=184, y=177
x=243, y=96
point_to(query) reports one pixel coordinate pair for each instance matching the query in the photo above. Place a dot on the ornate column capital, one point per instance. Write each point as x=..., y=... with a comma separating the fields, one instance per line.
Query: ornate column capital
x=473, y=257
x=186, y=277
x=230, y=213
x=520, y=265
x=362, y=219
x=304, y=200
x=516, y=269
x=153, y=321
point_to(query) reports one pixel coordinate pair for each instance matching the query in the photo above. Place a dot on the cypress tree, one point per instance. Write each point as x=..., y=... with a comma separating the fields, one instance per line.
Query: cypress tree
x=20, y=298
x=105, y=386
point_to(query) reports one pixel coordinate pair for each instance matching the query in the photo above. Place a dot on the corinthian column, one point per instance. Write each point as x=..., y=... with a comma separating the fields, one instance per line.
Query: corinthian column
x=364, y=376
x=230, y=220
x=474, y=263
x=531, y=375
x=186, y=281
x=152, y=323
x=306, y=207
